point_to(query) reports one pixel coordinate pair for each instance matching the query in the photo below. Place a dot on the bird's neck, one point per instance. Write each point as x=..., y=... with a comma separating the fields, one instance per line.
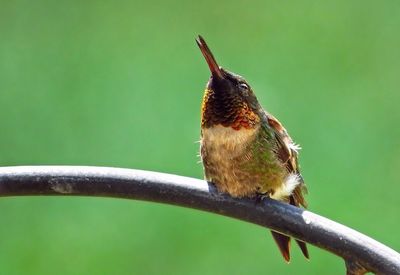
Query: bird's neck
x=234, y=114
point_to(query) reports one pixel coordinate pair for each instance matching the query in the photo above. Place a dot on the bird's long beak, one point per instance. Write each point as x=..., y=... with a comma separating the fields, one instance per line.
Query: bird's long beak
x=212, y=64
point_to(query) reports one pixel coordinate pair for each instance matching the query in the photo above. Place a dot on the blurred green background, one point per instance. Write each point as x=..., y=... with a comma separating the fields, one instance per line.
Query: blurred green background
x=119, y=83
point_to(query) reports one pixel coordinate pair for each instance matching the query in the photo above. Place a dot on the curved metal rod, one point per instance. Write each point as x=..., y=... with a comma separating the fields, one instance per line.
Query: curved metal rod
x=355, y=248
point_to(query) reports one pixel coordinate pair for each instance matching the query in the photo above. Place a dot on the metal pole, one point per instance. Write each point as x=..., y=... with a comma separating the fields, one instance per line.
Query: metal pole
x=360, y=252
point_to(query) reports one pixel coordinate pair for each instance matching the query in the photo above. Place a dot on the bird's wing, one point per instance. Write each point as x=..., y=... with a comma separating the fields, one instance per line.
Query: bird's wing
x=287, y=152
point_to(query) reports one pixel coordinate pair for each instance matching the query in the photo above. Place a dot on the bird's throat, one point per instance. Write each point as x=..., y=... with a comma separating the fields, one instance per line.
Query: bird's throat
x=225, y=111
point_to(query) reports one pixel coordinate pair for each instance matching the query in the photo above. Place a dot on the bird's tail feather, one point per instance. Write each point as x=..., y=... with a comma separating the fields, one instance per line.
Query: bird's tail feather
x=283, y=243
x=303, y=248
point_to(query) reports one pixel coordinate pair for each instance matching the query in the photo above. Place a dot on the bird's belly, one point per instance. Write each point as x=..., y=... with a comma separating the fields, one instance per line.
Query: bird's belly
x=234, y=163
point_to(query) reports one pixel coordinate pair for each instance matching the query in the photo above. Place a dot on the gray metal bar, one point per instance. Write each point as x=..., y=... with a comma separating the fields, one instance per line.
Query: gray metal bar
x=347, y=243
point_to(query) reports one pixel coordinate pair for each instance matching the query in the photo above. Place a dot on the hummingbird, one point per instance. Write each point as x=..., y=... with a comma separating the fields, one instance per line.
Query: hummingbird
x=245, y=151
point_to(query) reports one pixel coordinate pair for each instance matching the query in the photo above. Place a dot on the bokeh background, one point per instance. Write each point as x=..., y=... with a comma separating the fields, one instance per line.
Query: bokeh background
x=119, y=83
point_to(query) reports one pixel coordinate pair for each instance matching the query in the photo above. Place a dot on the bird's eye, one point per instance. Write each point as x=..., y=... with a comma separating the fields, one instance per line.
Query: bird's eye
x=243, y=86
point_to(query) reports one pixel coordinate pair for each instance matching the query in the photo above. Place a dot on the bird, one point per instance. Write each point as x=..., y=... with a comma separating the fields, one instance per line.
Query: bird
x=245, y=151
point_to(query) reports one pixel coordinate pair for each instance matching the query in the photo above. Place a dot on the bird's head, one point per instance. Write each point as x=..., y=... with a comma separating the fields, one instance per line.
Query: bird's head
x=228, y=99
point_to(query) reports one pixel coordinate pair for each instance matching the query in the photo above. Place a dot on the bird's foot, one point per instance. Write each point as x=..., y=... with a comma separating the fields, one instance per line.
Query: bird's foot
x=261, y=196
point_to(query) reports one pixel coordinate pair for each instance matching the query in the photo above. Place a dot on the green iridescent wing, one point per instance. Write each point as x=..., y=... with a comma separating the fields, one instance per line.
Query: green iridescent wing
x=287, y=152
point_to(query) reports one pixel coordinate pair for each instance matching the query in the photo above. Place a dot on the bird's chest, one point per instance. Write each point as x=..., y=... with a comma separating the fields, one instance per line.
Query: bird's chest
x=225, y=143
x=231, y=161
